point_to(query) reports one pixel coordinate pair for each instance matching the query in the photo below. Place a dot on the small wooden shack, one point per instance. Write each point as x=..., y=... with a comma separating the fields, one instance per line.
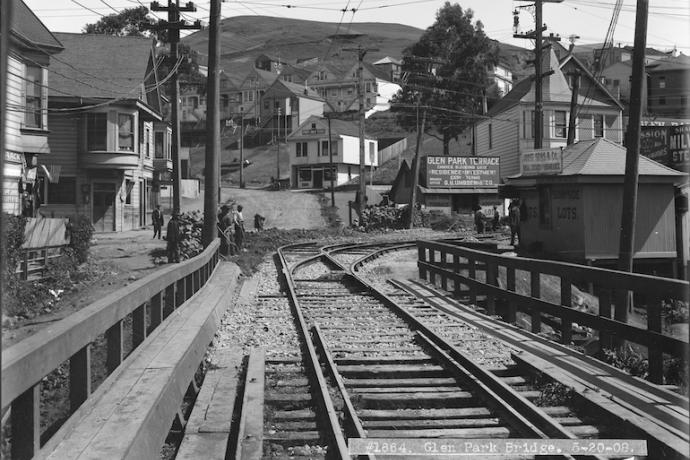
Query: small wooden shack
x=574, y=212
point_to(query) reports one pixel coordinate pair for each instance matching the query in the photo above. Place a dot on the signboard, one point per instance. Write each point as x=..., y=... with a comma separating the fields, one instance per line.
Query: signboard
x=654, y=142
x=668, y=145
x=541, y=162
x=307, y=132
x=679, y=147
x=462, y=172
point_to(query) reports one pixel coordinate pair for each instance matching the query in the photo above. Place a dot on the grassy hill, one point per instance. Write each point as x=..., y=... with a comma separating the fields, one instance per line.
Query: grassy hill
x=243, y=38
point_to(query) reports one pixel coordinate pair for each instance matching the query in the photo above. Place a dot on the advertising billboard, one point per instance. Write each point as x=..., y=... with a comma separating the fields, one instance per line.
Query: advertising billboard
x=541, y=162
x=462, y=172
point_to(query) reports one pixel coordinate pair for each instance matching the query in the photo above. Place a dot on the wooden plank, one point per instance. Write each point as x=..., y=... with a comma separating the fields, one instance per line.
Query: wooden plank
x=463, y=433
x=115, y=344
x=399, y=382
x=419, y=414
x=141, y=403
x=566, y=301
x=390, y=390
x=139, y=325
x=658, y=435
x=156, y=310
x=208, y=427
x=28, y=361
x=655, y=355
x=250, y=438
x=431, y=423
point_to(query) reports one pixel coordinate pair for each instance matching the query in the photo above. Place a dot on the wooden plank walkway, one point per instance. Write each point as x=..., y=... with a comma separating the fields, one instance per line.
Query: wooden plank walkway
x=208, y=427
x=130, y=415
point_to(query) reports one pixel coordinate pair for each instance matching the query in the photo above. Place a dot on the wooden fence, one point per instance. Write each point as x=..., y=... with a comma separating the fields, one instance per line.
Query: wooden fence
x=149, y=301
x=476, y=273
x=34, y=261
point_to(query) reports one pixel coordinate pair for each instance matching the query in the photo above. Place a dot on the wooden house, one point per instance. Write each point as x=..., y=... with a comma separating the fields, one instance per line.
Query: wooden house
x=574, y=212
x=308, y=147
x=26, y=148
x=107, y=128
x=286, y=105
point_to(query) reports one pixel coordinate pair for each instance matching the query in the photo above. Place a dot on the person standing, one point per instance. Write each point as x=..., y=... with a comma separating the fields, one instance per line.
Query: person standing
x=173, y=237
x=238, y=220
x=225, y=228
x=479, y=220
x=157, y=217
x=514, y=221
x=497, y=217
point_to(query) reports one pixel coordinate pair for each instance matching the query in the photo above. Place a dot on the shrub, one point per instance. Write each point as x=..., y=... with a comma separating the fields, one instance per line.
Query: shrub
x=629, y=360
x=13, y=239
x=80, y=231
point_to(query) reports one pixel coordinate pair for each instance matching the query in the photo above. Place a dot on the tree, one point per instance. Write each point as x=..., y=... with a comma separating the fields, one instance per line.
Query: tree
x=128, y=22
x=446, y=71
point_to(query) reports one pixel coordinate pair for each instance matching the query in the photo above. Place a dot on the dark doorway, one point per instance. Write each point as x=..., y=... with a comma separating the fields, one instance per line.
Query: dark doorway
x=103, y=207
x=318, y=178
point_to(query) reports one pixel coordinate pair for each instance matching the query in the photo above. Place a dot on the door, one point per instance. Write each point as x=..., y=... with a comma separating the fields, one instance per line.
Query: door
x=318, y=178
x=103, y=216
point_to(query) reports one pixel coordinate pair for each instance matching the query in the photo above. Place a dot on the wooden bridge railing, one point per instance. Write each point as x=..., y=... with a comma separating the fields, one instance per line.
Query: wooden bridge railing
x=478, y=272
x=149, y=300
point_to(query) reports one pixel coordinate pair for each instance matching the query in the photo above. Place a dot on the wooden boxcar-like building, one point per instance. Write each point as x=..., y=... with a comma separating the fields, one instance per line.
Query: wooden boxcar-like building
x=575, y=214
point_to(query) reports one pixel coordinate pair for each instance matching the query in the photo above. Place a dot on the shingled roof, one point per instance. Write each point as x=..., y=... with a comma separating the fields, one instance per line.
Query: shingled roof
x=100, y=66
x=30, y=31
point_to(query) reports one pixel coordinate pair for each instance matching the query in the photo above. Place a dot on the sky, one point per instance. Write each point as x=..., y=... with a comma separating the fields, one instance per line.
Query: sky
x=668, y=23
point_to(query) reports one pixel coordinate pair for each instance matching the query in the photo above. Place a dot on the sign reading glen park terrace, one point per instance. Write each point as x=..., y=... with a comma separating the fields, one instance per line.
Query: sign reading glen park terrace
x=541, y=162
x=459, y=172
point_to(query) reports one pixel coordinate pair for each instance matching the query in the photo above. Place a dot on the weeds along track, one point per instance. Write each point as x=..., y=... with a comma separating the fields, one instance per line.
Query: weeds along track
x=399, y=368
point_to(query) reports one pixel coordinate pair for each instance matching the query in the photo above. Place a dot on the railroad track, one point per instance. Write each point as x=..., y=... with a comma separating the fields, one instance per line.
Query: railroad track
x=383, y=364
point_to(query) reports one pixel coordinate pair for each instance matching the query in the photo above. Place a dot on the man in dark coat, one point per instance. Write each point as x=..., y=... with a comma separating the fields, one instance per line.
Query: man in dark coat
x=173, y=238
x=514, y=221
x=157, y=217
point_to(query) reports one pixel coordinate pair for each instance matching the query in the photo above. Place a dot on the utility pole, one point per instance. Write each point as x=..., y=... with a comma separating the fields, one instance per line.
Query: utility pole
x=536, y=35
x=241, y=147
x=632, y=155
x=173, y=25
x=415, y=165
x=361, y=52
x=330, y=160
x=573, y=107
x=278, y=149
x=212, y=165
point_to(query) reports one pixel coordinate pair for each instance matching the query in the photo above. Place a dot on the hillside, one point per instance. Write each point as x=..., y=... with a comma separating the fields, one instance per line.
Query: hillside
x=243, y=38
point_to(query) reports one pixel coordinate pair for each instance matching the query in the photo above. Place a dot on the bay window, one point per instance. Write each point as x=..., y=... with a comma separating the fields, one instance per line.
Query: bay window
x=125, y=132
x=33, y=94
x=96, y=131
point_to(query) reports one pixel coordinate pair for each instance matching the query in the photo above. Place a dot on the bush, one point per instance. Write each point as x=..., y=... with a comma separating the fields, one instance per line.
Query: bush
x=80, y=231
x=13, y=238
x=629, y=360
x=386, y=217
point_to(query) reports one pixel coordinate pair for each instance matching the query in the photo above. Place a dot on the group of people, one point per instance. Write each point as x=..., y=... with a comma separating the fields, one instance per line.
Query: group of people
x=513, y=220
x=231, y=228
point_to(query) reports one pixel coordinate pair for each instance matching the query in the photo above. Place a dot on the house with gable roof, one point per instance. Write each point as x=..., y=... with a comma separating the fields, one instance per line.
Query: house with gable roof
x=250, y=92
x=107, y=131
x=308, y=147
x=508, y=127
x=286, y=105
x=27, y=150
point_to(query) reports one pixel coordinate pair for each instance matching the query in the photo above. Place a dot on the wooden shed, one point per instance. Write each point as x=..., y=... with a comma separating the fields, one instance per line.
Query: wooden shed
x=575, y=213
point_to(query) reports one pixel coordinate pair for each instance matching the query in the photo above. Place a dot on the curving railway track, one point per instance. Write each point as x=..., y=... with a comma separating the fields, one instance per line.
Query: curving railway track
x=378, y=362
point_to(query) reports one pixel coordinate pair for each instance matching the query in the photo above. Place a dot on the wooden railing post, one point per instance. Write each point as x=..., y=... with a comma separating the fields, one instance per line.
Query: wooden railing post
x=472, y=274
x=456, y=270
x=604, y=296
x=138, y=325
x=156, y=310
x=115, y=344
x=432, y=260
x=188, y=286
x=421, y=257
x=444, y=277
x=511, y=313
x=655, y=355
x=180, y=294
x=566, y=301
x=45, y=262
x=79, y=377
x=491, y=279
x=26, y=426
x=535, y=292
x=170, y=299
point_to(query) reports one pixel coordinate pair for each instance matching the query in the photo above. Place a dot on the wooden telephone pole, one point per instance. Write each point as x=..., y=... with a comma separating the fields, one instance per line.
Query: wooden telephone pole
x=536, y=35
x=173, y=25
x=632, y=155
x=361, y=52
x=212, y=165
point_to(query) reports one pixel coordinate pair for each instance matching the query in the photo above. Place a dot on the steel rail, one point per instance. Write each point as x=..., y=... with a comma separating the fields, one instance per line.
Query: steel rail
x=322, y=393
